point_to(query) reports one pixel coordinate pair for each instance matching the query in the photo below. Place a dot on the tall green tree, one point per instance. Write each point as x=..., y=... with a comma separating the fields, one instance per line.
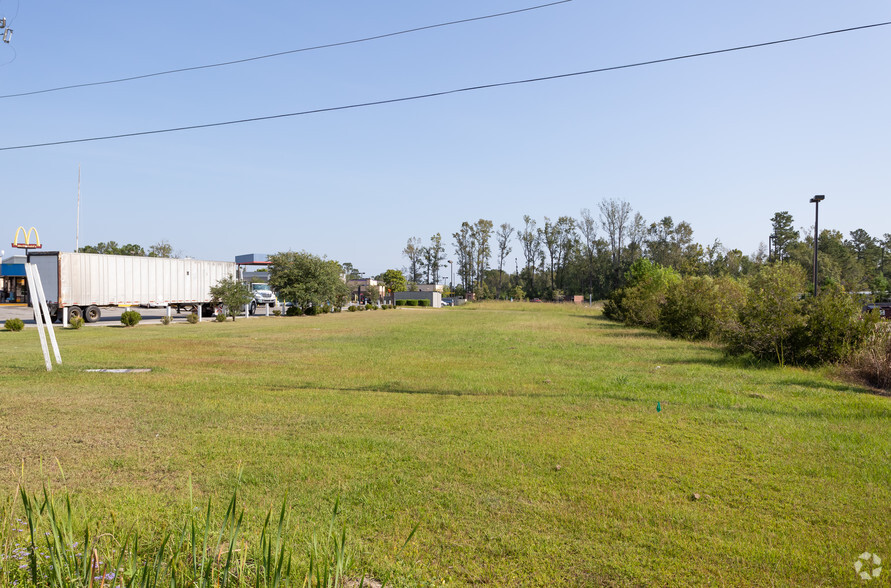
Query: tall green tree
x=233, y=294
x=394, y=280
x=434, y=255
x=482, y=236
x=502, y=239
x=784, y=234
x=305, y=280
x=530, y=238
x=414, y=252
x=161, y=249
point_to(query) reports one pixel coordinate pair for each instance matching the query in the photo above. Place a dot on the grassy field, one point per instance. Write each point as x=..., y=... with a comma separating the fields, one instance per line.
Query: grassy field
x=523, y=439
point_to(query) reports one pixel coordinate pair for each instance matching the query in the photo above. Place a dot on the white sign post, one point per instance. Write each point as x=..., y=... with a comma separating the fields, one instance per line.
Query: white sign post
x=42, y=315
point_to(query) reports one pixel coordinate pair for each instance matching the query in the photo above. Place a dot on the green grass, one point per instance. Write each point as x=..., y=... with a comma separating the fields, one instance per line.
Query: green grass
x=457, y=420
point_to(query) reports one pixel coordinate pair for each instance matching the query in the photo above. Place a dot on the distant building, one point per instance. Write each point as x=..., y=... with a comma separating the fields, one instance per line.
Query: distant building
x=361, y=289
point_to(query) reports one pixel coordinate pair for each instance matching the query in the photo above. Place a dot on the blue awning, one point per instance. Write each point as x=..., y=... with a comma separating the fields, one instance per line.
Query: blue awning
x=12, y=270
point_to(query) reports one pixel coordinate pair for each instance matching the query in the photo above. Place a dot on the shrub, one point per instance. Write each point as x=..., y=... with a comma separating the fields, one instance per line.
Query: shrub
x=769, y=321
x=872, y=362
x=695, y=307
x=424, y=303
x=353, y=308
x=76, y=322
x=221, y=317
x=130, y=318
x=370, y=307
x=326, y=308
x=192, y=318
x=14, y=324
x=294, y=311
x=834, y=328
x=312, y=310
x=277, y=312
x=401, y=302
x=411, y=302
x=639, y=301
x=165, y=320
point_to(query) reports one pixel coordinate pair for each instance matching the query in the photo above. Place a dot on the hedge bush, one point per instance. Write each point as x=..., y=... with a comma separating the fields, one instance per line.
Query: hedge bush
x=130, y=318
x=834, y=328
x=14, y=324
x=294, y=311
x=221, y=317
x=424, y=303
x=695, y=307
x=192, y=318
x=353, y=308
x=76, y=322
x=411, y=302
x=639, y=302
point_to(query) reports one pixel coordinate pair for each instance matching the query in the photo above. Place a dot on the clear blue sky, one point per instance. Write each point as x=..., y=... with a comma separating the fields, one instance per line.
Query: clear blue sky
x=722, y=141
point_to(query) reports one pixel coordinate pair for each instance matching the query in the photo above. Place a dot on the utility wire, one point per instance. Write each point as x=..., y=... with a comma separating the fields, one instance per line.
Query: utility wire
x=446, y=92
x=280, y=53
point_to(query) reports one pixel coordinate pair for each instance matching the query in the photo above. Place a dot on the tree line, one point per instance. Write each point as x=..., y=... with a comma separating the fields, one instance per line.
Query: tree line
x=591, y=255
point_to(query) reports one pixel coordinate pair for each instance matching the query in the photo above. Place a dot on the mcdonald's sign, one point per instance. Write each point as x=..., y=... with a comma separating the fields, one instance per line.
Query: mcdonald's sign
x=28, y=244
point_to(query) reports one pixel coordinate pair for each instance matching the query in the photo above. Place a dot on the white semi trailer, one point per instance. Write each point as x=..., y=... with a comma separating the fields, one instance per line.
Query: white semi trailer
x=81, y=283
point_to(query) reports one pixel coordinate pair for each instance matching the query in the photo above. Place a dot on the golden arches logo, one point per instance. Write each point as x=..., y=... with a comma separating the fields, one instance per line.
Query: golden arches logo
x=27, y=235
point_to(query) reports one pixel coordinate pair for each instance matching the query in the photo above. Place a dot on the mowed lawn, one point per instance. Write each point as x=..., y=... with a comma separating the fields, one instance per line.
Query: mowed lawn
x=524, y=439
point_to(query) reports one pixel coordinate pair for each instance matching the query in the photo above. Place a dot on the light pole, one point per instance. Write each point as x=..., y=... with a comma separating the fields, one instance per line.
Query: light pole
x=451, y=276
x=816, y=200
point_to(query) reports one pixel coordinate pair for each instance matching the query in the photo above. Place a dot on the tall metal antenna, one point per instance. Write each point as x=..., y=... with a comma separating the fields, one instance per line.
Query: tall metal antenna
x=77, y=228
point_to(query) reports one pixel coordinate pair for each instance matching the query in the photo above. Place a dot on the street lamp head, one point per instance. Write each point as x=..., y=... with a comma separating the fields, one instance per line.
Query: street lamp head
x=818, y=198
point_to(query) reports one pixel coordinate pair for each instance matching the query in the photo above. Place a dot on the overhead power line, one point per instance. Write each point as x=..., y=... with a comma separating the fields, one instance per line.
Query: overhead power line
x=446, y=92
x=280, y=53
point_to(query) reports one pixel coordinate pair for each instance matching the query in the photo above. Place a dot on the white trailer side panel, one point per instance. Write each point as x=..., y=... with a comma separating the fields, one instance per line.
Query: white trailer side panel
x=83, y=279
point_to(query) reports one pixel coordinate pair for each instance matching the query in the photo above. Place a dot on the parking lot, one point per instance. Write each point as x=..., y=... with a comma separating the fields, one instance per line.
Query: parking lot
x=110, y=315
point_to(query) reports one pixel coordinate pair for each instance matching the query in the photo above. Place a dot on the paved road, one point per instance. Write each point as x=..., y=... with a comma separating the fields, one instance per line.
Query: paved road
x=110, y=316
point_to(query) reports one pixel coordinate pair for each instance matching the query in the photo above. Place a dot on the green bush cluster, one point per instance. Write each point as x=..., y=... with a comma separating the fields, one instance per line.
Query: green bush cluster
x=411, y=303
x=277, y=312
x=294, y=311
x=130, y=318
x=424, y=302
x=14, y=324
x=221, y=317
x=765, y=315
x=165, y=320
x=353, y=308
x=192, y=318
x=370, y=307
x=76, y=322
x=401, y=302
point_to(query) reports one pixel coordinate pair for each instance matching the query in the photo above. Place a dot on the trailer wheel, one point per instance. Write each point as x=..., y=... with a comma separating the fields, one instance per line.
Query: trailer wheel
x=75, y=312
x=253, y=307
x=92, y=314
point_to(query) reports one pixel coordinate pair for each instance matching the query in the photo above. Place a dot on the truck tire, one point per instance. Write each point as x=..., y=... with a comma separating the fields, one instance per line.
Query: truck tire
x=207, y=310
x=253, y=307
x=92, y=314
x=75, y=312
